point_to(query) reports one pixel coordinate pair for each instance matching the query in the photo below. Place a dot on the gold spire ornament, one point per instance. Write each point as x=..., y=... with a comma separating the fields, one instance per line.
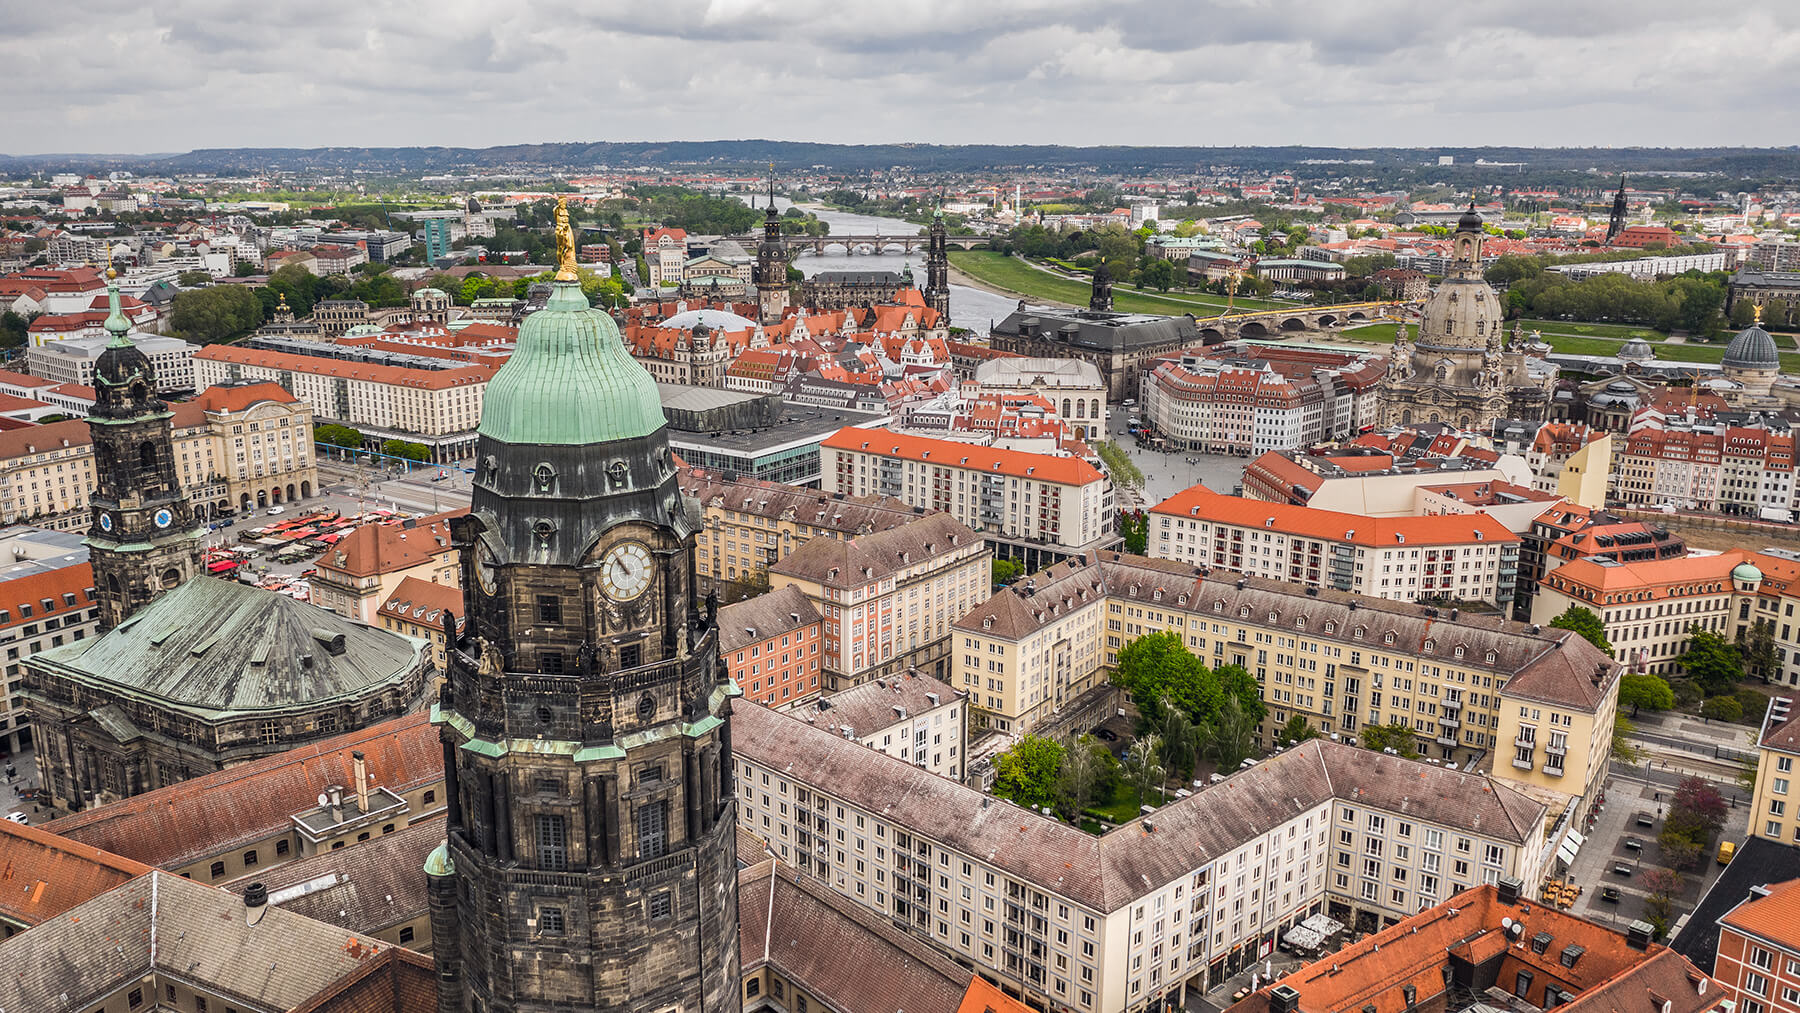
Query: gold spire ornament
x=565, y=244
x=1756, y=313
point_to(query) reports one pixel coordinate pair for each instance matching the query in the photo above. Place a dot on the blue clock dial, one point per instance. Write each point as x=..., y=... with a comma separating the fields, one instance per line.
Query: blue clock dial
x=106, y=522
x=164, y=518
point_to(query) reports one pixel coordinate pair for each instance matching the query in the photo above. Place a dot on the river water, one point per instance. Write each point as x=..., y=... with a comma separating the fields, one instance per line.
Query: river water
x=969, y=307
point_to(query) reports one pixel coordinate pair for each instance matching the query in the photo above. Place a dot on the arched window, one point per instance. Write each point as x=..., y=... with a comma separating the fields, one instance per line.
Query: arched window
x=147, y=456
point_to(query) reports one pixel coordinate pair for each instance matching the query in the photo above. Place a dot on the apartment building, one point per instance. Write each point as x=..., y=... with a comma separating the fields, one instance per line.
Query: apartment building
x=437, y=407
x=72, y=360
x=888, y=598
x=913, y=718
x=237, y=447
x=666, y=254
x=1648, y=607
x=1774, y=803
x=1072, y=386
x=418, y=607
x=1758, y=955
x=1375, y=482
x=366, y=567
x=1342, y=661
x=1263, y=400
x=770, y=643
x=1455, y=557
x=1036, y=507
x=751, y=524
x=1134, y=917
x=46, y=600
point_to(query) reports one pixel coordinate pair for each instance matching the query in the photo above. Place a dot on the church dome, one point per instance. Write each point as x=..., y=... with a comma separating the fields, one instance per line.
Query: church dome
x=1636, y=350
x=570, y=381
x=1464, y=313
x=1469, y=222
x=714, y=320
x=1752, y=349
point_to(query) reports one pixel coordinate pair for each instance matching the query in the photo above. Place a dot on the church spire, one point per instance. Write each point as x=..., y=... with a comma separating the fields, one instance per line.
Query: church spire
x=116, y=324
x=1619, y=210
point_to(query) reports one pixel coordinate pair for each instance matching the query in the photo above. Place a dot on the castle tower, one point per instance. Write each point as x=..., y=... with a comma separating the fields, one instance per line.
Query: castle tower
x=1101, y=300
x=590, y=862
x=1618, y=212
x=770, y=271
x=937, y=268
x=143, y=539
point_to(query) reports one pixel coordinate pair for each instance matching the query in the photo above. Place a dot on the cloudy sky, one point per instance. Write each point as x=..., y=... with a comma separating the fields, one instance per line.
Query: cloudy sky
x=170, y=75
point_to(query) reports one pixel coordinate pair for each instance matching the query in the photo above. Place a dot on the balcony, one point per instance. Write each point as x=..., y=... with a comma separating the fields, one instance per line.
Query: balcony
x=1525, y=742
x=1449, y=721
x=1446, y=738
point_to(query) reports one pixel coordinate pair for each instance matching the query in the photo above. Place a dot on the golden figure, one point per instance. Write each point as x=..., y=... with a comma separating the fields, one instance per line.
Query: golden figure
x=565, y=244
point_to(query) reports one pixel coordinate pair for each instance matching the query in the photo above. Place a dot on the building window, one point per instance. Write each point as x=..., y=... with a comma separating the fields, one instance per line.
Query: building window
x=552, y=842
x=249, y=858
x=135, y=997
x=281, y=847
x=218, y=869
x=631, y=655
x=661, y=906
x=406, y=934
x=549, y=608
x=653, y=829
x=430, y=796
x=551, y=921
x=269, y=732
x=753, y=987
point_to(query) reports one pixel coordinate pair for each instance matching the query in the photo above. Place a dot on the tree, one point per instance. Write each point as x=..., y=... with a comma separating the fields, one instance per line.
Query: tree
x=1648, y=691
x=1236, y=682
x=1623, y=749
x=1157, y=668
x=1230, y=735
x=1722, y=708
x=335, y=435
x=1005, y=571
x=219, y=313
x=1696, y=813
x=1142, y=771
x=406, y=449
x=298, y=286
x=15, y=330
x=1664, y=885
x=1177, y=742
x=1296, y=731
x=1027, y=773
x=1088, y=770
x=1158, y=274
x=1134, y=527
x=1395, y=735
x=1585, y=624
x=1711, y=661
x=1758, y=650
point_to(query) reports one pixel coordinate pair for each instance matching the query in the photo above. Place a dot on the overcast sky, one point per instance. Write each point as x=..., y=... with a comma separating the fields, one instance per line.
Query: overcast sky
x=116, y=76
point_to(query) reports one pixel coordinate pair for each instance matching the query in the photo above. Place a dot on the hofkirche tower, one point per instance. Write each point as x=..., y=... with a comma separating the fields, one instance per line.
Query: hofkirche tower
x=590, y=860
x=142, y=539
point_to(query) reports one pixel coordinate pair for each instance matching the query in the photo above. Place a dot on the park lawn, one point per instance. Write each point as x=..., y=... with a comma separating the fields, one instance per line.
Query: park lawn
x=1375, y=334
x=1622, y=332
x=1122, y=807
x=1015, y=275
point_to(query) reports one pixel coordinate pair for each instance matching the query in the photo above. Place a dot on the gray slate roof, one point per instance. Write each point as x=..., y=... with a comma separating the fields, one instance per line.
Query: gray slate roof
x=768, y=615
x=853, y=563
x=1108, y=872
x=215, y=647
x=163, y=922
x=1115, y=332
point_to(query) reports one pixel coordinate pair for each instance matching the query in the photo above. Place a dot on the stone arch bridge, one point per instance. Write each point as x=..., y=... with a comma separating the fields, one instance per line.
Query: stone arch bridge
x=868, y=244
x=1292, y=319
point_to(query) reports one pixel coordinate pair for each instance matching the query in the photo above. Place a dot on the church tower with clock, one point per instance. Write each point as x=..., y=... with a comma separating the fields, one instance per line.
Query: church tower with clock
x=143, y=539
x=590, y=857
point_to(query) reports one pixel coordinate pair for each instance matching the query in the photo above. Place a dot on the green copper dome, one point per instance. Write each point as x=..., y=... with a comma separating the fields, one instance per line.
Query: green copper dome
x=570, y=381
x=1746, y=572
x=439, y=863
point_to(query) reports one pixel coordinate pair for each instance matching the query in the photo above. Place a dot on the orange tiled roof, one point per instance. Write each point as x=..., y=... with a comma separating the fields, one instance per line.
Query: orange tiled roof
x=951, y=454
x=422, y=602
x=1330, y=525
x=378, y=548
x=1774, y=916
x=42, y=875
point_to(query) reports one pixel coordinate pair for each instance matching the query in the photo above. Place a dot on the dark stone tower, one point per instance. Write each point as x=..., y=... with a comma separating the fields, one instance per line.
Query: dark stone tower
x=1101, y=300
x=142, y=540
x=1618, y=212
x=590, y=862
x=937, y=268
x=770, y=271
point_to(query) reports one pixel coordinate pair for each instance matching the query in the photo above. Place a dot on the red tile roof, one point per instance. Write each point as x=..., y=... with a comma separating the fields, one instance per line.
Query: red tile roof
x=42, y=875
x=1330, y=525
x=207, y=815
x=378, y=548
x=1774, y=916
x=951, y=454
x=238, y=398
x=76, y=579
x=429, y=379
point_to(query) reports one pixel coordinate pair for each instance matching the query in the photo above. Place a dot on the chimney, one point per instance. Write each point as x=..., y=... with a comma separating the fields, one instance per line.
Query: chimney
x=335, y=796
x=256, y=903
x=1637, y=934
x=1509, y=889
x=1283, y=999
x=362, y=782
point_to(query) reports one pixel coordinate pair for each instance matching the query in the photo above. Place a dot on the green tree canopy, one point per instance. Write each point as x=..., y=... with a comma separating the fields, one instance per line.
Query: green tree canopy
x=1158, y=667
x=1722, y=708
x=218, y=313
x=407, y=449
x=1711, y=661
x=1027, y=773
x=1586, y=624
x=335, y=435
x=1005, y=571
x=1651, y=692
x=1395, y=735
x=1296, y=731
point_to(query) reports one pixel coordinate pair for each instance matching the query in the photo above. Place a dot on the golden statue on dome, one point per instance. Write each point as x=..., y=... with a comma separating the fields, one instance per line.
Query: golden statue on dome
x=565, y=244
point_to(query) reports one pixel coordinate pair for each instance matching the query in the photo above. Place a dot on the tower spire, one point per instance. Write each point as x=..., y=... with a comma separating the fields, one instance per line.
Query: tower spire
x=116, y=324
x=1619, y=210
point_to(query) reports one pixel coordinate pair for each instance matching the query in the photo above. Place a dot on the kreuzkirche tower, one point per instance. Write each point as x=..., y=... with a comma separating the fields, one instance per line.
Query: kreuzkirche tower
x=590, y=857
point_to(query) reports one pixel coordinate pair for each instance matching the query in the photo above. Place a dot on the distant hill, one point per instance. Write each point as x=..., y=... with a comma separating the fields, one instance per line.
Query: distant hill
x=751, y=154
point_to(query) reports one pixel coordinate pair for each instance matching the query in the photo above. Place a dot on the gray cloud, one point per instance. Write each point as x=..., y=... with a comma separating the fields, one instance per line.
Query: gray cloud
x=177, y=74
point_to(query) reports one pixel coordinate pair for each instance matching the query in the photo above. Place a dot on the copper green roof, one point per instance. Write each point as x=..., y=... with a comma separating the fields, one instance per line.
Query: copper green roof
x=570, y=381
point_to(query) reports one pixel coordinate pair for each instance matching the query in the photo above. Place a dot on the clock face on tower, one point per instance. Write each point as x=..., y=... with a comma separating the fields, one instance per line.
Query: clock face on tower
x=164, y=518
x=486, y=568
x=106, y=522
x=625, y=571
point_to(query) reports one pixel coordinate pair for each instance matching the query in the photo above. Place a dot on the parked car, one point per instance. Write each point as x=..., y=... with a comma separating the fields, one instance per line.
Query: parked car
x=1610, y=894
x=16, y=817
x=276, y=510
